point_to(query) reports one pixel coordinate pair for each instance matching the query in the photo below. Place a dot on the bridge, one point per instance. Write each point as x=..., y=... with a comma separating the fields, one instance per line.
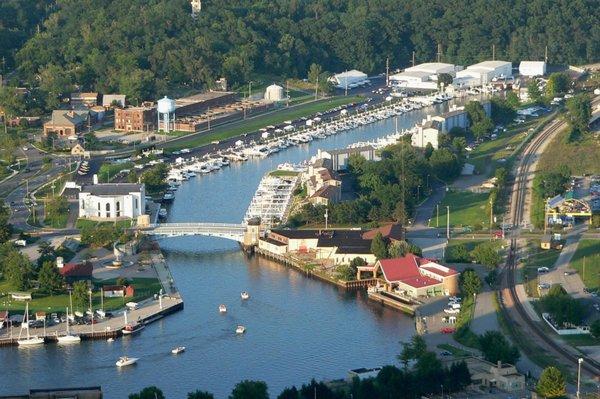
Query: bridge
x=230, y=231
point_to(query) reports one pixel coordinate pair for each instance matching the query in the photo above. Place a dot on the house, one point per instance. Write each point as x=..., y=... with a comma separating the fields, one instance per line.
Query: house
x=326, y=195
x=78, y=150
x=391, y=232
x=118, y=291
x=67, y=123
x=112, y=201
x=111, y=100
x=501, y=376
x=3, y=316
x=76, y=271
x=84, y=100
x=415, y=276
x=427, y=133
x=339, y=158
x=323, y=185
x=135, y=119
x=423, y=76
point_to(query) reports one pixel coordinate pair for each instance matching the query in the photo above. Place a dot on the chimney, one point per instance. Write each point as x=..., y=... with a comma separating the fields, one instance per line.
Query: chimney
x=95, y=179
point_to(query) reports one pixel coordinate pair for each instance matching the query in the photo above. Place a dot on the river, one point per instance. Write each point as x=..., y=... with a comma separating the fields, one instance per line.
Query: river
x=297, y=328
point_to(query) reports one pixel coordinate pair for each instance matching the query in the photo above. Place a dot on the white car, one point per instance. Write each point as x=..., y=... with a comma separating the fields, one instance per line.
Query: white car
x=451, y=311
x=543, y=269
x=454, y=299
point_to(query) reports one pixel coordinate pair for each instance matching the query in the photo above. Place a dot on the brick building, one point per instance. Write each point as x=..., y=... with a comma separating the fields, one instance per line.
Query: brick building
x=135, y=119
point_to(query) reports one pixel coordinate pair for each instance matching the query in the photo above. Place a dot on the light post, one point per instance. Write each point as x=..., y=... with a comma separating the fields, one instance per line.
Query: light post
x=579, y=361
x=91, y=310
x=442, y=390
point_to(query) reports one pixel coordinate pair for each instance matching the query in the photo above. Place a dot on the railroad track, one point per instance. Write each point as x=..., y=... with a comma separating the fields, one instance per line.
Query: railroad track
x=518, y=197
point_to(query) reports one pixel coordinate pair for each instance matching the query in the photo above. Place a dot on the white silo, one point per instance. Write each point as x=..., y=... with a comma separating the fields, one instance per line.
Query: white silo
x=274, y=93
x=166, y=114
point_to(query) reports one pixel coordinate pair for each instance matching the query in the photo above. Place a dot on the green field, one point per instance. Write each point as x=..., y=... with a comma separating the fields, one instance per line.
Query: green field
x=282, y=173
x=85, y=223
x=590, y=251
x=581, y=157
x=251, y=125
x=466, y=209
x=144, y=288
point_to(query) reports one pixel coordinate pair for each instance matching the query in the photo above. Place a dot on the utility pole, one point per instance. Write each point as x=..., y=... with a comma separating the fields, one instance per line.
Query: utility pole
x=546, y=54
x=317, y=88
x=346, y=84
x=326, y=218
x=439, y=52
x=493, y=52
x=208, y=116
x=437, y=215
x=287, y=93
x=491, y=214
x=579, y=361
x=448, y=222
x=249, y=89
x=584, y=269
x=413, y=59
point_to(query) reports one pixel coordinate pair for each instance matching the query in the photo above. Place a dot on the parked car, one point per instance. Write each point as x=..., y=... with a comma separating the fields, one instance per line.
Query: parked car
x=543, y=286
x=447, y=330
x=543, y=269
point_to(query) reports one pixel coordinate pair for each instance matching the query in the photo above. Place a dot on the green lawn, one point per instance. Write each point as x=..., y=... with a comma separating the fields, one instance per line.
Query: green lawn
x=469, y=244
x=144, y=288
x=466, y=209
x=282, y=173
x=590, y=251
x=254, y=124
x=581, y=157
x=84, y=223
x=456, y=351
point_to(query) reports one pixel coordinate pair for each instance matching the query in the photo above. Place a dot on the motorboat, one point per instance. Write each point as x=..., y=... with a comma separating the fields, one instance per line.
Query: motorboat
x=222, y=308
x=162, y=213
x=126, y=361
x=130, y=329
x=178, y=350
x=245, y=295
x=110, y=340
x=29, y=340
x=169, y=196
x=240, y=329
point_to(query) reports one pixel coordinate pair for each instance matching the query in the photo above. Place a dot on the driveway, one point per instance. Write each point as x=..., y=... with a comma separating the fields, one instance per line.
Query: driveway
x=423, y=236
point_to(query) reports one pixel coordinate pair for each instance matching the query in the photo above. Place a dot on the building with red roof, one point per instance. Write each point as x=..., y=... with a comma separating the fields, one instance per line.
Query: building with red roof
x=416, y=276
x=76, y=271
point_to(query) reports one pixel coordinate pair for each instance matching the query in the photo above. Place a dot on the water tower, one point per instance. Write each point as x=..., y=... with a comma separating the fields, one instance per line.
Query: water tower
x=166, y=114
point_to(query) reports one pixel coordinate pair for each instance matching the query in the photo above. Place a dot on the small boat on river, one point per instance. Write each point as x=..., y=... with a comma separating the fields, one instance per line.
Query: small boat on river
x=126, y=361
x=178, y=350
x=240, y=329
x=245, y=295
x=222, y=308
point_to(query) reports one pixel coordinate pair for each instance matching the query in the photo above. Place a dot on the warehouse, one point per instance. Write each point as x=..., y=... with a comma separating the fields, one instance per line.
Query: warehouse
x=199, y=103
x=423, y=76
x=349, y=79
x=532, y=68
x=483, y=73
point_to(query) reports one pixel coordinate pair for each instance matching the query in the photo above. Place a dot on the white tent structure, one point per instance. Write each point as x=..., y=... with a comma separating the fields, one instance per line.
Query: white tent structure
x=349, y=79
x=532, y=68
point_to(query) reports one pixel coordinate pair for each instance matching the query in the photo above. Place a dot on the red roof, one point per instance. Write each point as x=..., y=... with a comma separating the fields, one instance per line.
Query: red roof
x=77, y=269
x=421, y=281
x=409, y=270
x=440, y=270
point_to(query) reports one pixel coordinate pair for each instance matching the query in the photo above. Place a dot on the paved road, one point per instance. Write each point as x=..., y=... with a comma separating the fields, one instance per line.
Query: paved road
x=425, y=237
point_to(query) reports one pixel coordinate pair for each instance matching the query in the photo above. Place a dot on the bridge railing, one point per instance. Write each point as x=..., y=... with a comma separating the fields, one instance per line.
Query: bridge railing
x=197, y=225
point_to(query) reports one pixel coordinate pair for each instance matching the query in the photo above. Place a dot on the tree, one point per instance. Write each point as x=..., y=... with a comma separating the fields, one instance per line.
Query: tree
x=512, y=99
x=12, y=102
x=482, y=128
x=379, y=247
x=558, y=83
x=469, y=282
x=444, y=80
x=552, y=383
x=154, y=178
x=49, y=278
x=487, y=255
x=579, y=112
x=595, y=328
x=318, y=389
x=445, y=164
x=458, y=253
x=250, y=390
x=314, y=72
x=148, y=393
x=495, y=347
x=398, y=249
x=5, y=227
x=413, y=350
x=80, y=295
x=563, y=308
x=289, y=393
x=200, y=395
x=428, y=150
x=400, y=215
x=534, y=92
x=17, y=270
x=503, y=110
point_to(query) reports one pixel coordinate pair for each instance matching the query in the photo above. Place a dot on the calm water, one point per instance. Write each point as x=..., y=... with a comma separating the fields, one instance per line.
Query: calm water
x=297, y=328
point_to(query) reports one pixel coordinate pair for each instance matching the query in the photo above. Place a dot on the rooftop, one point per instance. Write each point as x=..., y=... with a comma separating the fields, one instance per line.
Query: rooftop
x=69, y=117
x=393, y=231
x=200, y=97
x=487, y=65
x=112, y=188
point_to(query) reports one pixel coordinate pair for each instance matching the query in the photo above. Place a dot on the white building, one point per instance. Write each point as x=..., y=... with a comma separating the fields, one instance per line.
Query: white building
x=532, y=68
x=483, y=73
x=274, y=93
x=423, y=76
x=349, y=79
x=112, y=201
x=427, y=132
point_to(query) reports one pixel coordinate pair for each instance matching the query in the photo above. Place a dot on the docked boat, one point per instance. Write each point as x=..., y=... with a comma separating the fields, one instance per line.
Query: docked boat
x=130, y=329
x=222, y=308
x=178, y=350
x=68, y=338
x=169, y=196
x=162, y=213
x=245, y=295
x=126, y=361
x=29, y=340
x=240, y=329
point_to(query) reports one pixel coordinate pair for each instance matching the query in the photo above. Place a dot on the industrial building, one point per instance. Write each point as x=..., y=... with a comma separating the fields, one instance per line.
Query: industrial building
x=201, y=102
x=349, y=79
x=423, y=76
x=532, y=68
x=274, y=93
x=135, y=119
x=483, y=73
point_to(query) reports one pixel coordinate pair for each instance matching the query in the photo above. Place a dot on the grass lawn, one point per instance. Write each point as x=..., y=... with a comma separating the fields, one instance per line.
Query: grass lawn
x=469, y=244
x=581, y=157
x=83, y=223
x=254, y=124
x=456, y=352
x=144, y=288
x=463, y=333
x=282, y=173
x=536, y=257
x=581, y=340
x=590, y=250
x=466, y=209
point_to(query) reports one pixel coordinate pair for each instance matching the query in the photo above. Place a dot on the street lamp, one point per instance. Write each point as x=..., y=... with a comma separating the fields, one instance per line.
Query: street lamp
x=579, y=361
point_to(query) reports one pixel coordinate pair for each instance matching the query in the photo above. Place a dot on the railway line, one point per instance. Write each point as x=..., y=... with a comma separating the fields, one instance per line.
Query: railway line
x=509, y=293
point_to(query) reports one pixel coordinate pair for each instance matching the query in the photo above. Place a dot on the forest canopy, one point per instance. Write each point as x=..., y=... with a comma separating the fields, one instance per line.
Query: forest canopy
x=147, y=47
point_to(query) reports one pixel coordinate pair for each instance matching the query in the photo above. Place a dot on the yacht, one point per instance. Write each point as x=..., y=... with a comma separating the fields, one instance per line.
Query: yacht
x=240, y=329
x=245, y=295
x=126, y=361
x=222, y=308
x=169, y=196
x=178, y=350
x=69, y=338
x=29, y=341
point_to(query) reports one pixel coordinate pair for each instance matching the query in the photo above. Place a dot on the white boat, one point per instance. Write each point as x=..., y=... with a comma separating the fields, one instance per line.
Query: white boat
x=69, y=338
x=110, y=340
x=126, y=361
x=29, y=341
x=178, y=350
x=240, y=329
x=162, y=213
x=131, y=328
x=222, y=308
x=245, y=295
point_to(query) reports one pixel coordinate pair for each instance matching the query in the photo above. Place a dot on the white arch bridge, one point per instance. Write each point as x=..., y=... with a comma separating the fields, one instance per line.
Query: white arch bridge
x=230, y=231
